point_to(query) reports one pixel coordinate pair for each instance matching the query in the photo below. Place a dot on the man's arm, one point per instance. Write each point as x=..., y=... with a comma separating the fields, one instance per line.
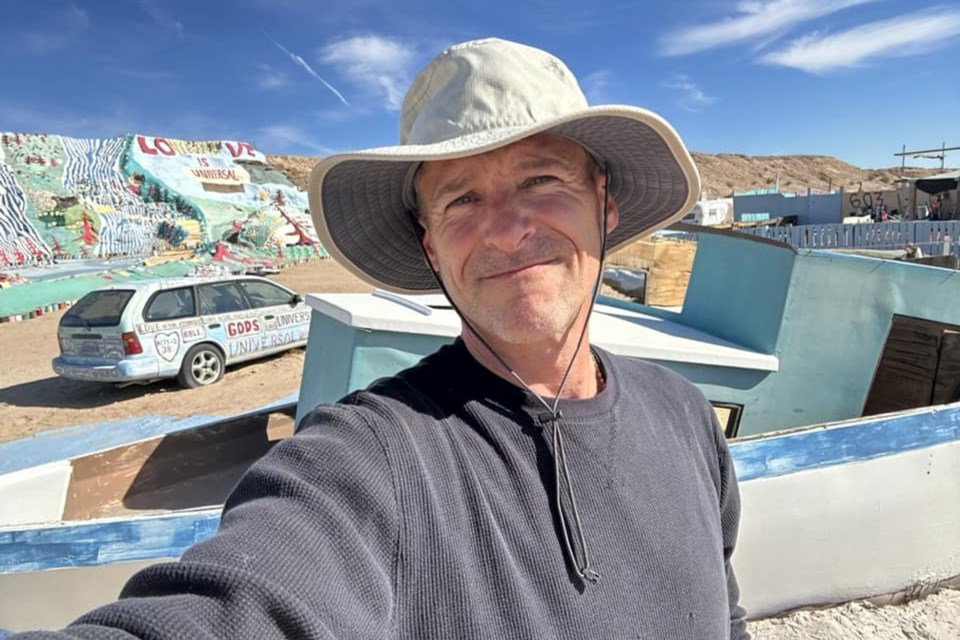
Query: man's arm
x=730, y=523
x=306, y=548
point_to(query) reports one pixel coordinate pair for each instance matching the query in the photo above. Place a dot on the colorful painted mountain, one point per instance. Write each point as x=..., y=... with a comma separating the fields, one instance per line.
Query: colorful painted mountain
x=143, y=196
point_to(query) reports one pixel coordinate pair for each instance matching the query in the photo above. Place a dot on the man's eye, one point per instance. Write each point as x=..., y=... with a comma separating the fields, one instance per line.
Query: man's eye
x=538, y=180
x=466, y=198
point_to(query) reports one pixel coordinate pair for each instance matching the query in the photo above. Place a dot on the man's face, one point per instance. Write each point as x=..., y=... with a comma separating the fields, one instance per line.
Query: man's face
x=515, y=235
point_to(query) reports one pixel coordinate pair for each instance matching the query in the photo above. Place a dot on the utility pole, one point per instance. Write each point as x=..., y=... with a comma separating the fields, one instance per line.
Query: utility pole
x=933, y=154
x=940, y=154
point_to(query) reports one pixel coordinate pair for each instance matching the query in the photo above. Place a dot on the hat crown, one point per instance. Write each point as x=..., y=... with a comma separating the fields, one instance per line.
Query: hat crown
x=485, y=85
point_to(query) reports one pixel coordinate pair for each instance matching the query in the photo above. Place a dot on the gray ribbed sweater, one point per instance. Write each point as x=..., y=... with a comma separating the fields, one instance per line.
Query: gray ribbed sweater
x=423, y=508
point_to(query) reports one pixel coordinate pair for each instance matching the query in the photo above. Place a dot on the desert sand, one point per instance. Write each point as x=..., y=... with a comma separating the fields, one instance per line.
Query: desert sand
x=32, y=399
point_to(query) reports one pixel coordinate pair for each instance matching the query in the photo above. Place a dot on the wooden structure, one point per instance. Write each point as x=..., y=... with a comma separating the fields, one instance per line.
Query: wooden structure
x=920, y=366
x=668, y=263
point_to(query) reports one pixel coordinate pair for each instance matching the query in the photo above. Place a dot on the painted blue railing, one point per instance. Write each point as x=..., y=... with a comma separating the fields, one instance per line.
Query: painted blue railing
x=929, y=236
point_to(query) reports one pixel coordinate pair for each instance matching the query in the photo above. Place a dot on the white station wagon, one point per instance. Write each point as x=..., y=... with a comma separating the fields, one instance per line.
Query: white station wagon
x=188, y=328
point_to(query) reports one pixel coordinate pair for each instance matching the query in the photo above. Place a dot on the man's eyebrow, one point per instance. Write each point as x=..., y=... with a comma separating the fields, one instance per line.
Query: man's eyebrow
x=541, y=162
x=450, y=187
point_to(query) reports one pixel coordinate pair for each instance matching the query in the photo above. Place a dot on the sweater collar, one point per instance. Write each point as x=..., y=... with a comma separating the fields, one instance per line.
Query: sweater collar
x=470, y=380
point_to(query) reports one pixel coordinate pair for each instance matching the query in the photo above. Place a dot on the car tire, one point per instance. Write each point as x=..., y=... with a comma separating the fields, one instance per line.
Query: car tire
x=202, y=366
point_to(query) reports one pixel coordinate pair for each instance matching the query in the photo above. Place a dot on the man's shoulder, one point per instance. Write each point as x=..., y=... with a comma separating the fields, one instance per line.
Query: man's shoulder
x=652, y=376
x=655, y=390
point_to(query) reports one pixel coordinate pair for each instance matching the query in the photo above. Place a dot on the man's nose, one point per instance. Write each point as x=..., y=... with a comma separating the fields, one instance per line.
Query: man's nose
x=507, y=224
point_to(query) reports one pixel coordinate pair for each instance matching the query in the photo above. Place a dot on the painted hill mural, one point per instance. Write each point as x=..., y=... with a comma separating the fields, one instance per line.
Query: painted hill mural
x=79, y=213
x=146, y=197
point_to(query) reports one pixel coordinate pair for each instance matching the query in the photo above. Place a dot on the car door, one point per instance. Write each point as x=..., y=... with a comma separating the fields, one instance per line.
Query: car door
x=286, y=319
x=170, y=324
x=229, y=320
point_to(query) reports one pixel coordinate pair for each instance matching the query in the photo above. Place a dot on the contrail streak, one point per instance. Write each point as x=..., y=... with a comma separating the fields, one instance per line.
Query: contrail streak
x=303, y=63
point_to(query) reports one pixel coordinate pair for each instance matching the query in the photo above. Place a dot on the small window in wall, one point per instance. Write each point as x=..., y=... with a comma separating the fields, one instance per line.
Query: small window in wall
x=919, y=367
x=728, y=416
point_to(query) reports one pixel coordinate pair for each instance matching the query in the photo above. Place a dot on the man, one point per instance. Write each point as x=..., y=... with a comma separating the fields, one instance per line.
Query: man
x=518, y=483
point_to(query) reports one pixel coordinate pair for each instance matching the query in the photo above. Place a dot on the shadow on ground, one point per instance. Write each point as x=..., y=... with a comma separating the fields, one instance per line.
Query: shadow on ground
x=61, y=393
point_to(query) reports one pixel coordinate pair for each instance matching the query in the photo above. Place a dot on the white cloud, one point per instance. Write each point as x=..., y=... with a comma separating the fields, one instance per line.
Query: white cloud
x=905, y=35
x=160, y=17
x=595, y=86
x=300, y=62
x=145, y=75
x=62, y=29
x=269, y=78
x=378, y=64
x=692, y=97
x=284, y=138
x=755, y=20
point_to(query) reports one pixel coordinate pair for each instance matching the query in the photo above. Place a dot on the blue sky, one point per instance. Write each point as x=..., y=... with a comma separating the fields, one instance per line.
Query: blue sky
x=854, y=79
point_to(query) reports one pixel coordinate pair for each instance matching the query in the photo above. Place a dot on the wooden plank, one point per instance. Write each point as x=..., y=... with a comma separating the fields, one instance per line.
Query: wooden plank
x=946, y=388
x=907, y=369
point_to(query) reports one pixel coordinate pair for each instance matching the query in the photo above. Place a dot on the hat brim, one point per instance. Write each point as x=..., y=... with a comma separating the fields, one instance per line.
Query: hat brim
x=357, y=199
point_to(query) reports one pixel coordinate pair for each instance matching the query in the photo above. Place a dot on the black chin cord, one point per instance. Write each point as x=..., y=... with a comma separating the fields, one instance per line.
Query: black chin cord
x=572, y=524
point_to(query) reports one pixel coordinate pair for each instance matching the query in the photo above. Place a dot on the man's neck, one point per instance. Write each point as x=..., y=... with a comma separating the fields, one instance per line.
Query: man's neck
x=541, y=365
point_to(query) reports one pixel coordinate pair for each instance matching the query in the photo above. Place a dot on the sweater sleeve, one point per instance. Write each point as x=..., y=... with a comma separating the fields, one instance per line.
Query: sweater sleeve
x=730, y=523
x=306, y=548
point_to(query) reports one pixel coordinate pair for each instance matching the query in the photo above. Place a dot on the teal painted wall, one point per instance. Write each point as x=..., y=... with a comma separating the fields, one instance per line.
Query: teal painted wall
x=738, y=290
x=340, y=359
x=836, y=312
x=824, y=315
x=837, y=318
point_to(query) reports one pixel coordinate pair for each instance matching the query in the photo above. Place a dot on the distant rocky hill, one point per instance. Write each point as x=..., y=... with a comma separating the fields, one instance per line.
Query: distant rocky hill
x=724, y=173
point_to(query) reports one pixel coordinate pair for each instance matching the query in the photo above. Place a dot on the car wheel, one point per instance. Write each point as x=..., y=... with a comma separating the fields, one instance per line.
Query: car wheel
x=202, y=365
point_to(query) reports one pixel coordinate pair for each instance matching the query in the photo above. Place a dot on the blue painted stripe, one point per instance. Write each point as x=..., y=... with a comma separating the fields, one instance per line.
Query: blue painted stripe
x=870, y=438
x=68, y=442
x=105, y=542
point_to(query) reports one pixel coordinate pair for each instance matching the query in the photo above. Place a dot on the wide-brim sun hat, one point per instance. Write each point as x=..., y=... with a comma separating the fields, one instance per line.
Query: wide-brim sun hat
x=473, y=98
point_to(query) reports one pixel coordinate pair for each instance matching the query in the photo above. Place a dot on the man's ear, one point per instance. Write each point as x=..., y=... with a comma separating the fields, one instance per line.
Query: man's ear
x=613, y=214
x=425, y=241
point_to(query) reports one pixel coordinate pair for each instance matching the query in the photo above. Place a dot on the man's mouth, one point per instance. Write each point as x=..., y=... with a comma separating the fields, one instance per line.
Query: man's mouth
x=523, y=268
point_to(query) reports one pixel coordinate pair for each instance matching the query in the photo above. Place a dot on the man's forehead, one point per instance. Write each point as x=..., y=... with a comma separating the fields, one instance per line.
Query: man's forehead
x=543, y=148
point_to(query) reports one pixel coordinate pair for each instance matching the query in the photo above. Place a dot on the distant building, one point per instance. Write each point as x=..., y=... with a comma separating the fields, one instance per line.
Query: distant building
x=708, y=212
x=808, y=208
x=935, y=196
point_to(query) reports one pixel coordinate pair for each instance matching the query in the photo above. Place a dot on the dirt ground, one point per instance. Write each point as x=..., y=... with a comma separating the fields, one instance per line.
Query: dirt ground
x=935, y=617
x=33, y=398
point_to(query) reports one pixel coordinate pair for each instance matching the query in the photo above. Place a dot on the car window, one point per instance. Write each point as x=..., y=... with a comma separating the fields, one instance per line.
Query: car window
x=98, y=309
x=171, y=304
x=265, y=294
x=221, y=297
